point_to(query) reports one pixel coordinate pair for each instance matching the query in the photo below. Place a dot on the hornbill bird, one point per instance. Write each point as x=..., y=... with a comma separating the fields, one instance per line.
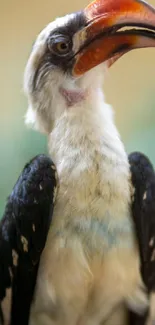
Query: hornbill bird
x=77, y=241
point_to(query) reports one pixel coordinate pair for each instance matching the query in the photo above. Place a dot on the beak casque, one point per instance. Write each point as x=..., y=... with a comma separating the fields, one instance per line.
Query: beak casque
x=104, y=37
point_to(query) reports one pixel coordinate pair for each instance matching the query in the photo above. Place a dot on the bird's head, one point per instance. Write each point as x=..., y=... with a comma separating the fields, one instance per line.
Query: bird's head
x=62, y=67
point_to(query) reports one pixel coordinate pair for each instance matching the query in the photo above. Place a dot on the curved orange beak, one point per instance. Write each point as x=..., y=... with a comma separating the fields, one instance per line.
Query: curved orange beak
x=113, y=28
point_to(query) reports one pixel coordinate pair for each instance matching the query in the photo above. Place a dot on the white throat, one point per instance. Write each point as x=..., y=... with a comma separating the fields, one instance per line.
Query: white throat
x=84, y=129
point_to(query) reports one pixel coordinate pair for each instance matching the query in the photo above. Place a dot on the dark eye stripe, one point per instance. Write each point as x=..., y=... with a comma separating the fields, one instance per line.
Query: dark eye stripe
x=75, y=23
x=49, y=60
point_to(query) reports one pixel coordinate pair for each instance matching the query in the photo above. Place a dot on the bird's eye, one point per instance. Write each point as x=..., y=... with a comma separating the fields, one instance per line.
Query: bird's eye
x=60, y=45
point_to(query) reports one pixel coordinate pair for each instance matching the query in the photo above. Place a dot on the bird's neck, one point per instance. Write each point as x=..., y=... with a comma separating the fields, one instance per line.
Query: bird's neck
x=85, y=131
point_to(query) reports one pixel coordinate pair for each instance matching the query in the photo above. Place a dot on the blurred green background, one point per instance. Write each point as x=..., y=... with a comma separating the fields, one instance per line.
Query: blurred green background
x=129, y=86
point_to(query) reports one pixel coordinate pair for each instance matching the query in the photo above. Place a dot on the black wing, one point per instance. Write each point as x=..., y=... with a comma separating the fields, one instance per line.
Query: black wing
x=23, y=232
x=143, y=211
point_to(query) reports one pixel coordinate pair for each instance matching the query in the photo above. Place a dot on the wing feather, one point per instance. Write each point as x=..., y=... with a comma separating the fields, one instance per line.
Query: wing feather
x=143, y=212
x=23, y=232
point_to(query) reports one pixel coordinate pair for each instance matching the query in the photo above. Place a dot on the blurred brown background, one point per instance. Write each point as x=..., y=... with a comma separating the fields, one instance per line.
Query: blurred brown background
x=129, y=87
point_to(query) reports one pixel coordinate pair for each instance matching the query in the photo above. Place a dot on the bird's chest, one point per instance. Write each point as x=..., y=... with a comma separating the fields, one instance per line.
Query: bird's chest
x=92, y=209
x=86, y=243
x=93, y=204
x=91, y=227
